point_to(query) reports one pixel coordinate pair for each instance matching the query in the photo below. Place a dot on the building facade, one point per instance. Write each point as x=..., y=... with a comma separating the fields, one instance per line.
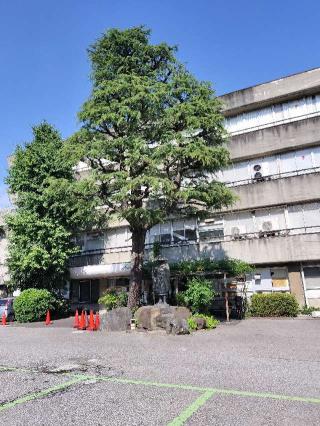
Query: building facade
x=274, y=142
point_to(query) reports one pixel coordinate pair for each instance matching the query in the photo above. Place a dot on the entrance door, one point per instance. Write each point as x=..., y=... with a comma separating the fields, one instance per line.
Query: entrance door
x=84, y=291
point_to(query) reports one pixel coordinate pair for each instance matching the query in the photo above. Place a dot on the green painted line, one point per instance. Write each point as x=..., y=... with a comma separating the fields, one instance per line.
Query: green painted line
x=177, y=386
x=215, y=390
x=191, y=409
x=41, y=394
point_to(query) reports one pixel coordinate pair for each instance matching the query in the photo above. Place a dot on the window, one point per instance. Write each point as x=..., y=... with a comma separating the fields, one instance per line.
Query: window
x=312, y=277
x=95, y=241
x=212, y=229
x=165, y=233
x=78, y=241
x=279, y=277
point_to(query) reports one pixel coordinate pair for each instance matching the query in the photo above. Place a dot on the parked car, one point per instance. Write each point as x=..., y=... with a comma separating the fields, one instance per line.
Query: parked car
x=6, y=306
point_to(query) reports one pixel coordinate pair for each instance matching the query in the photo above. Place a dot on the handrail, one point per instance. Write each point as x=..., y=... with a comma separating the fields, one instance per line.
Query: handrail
x=274, y=123
x=276, y=176
x=226, y=238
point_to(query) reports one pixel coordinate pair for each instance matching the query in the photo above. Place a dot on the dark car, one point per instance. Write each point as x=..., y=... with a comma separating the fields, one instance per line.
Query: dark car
x=6, y=306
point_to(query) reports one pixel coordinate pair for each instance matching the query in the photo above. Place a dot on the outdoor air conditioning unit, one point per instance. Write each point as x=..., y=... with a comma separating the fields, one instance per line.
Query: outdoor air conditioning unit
x=267, y=226
x=236, y=233
x=258, y=173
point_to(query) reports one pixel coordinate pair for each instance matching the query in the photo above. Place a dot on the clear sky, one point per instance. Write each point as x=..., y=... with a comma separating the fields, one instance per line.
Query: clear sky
x=232, y=43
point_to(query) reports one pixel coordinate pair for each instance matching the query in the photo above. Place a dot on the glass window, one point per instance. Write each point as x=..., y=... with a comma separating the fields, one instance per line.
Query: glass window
x=279, y=277
x=303, y=159
x=95, y=241
x=295, y=217
x=178, y=231
x=311, y=214
x=212, y=230
x=165, y=233
x=312, y=277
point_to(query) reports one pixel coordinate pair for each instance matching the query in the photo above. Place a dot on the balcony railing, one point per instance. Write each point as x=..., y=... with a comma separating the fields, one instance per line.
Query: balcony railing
x=95, y=257
x=276, y=176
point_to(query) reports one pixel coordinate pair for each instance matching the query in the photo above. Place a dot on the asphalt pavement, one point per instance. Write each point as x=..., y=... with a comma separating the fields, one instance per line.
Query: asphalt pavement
x=252, y=372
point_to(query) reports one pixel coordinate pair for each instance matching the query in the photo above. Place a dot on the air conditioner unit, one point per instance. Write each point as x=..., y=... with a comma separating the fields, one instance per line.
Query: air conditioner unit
x=237, y=233
x=267, y=226
x=258, y=174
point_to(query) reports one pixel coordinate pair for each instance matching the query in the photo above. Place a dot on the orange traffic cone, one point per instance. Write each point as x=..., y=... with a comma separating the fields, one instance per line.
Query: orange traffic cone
x=86, y=322
x=91, y=322
x=4, y=319
x=82, y=324
x=97, y=322
x=48, y=320
x=76, y=320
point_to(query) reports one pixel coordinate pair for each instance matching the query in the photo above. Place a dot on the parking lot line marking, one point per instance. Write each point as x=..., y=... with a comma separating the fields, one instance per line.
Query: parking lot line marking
x=207, y=389
x=40, y=394
x=191, y=409
x=235, y=392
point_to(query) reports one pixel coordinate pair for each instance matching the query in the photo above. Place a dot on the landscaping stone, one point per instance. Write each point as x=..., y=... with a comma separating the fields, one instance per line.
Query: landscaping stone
x=177, y=326
x=160, y=316
x=201, y=323
x=115, y=320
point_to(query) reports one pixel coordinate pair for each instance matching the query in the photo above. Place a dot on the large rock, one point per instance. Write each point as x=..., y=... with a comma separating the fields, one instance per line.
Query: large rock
x=177, y=326
x=159, y=316
x=115, y=320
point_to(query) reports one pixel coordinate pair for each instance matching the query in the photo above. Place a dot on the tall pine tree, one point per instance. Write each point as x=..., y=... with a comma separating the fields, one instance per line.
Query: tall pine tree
x=153, y=136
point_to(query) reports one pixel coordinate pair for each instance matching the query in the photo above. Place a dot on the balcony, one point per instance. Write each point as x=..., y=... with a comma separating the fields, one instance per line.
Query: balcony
x=290, y=87
x=279, y=138
x=289, y=190
x=280, y=246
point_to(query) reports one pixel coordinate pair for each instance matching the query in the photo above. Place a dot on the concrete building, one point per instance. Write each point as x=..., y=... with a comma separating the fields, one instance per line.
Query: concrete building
x=275, y=224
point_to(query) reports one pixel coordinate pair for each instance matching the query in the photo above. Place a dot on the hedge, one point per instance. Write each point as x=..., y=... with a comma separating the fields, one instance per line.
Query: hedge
x=274, y=305
x=32, y=305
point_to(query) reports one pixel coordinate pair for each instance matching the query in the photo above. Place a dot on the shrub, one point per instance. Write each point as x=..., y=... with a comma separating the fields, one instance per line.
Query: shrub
x=307, y=310
x=192, y=324
x=210, y=322
x=33, y=304
x=198, y=296
x=274, y=305
x=61, y=307
x=111, y=299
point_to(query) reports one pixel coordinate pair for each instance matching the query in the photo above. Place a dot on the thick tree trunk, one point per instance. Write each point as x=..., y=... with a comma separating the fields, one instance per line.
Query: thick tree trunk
x=137, y=252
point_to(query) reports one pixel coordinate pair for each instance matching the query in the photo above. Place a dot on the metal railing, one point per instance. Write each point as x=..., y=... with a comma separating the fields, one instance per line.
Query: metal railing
x=95, y=257
x=274, y=123
x=276, y=176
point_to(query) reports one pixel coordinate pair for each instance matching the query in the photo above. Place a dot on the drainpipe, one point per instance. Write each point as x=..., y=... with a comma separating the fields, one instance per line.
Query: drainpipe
x=304, y=285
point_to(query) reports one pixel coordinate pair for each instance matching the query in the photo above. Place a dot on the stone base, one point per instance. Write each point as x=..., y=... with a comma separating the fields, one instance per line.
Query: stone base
x=163, y=316
x=115, y=320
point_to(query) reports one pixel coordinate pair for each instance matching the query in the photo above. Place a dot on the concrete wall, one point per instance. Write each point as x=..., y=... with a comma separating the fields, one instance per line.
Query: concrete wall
x=288, y=190
x=274, y=91
x=268, y=251
x=286, y=137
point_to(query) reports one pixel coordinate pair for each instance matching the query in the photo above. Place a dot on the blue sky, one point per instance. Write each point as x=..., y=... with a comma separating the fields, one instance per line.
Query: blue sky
x=234, y=44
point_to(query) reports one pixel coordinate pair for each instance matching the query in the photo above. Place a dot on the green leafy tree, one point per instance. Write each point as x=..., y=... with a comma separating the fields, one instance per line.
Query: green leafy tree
x=50, y=206
x=154, y=136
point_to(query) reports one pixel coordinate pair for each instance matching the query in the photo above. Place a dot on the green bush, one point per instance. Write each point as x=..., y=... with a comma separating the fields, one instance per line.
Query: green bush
x=307, y=310
x=61, y=307
x=33, y=304
x=274, y=305
x=198, y=296
x=192, y=324
x=111, y=299
x=210, y=321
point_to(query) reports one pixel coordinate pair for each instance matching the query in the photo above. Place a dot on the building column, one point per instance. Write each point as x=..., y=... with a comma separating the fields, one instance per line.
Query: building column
x=296, y=284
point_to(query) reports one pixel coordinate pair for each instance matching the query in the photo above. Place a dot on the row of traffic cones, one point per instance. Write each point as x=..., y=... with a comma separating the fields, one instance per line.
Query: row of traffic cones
x=81, y=322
